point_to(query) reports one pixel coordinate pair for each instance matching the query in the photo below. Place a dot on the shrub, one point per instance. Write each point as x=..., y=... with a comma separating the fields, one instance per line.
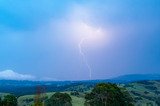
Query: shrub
x=9, y=100
x=59, y=99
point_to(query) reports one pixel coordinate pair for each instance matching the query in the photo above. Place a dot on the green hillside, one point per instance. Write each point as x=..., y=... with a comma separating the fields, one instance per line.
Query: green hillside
x=144, y=93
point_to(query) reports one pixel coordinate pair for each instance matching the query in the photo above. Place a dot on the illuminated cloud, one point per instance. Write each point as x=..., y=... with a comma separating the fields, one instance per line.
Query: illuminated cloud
x=77, y=24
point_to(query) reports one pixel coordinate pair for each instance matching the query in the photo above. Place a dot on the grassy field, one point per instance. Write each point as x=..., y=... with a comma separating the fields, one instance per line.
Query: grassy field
x=28, y=100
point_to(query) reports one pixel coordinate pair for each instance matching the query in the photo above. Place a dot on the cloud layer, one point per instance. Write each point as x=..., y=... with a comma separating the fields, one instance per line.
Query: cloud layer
x=11, y=75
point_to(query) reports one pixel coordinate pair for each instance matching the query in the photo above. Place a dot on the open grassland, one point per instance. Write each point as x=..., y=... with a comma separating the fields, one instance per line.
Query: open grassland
x=28, y=100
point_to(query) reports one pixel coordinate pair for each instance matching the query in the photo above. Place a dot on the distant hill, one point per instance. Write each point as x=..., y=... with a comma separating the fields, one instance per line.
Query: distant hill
x=20, y=87
x=136, y=77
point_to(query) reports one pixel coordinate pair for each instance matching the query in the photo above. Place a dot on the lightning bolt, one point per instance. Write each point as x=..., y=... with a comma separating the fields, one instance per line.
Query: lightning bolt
x=84, y=57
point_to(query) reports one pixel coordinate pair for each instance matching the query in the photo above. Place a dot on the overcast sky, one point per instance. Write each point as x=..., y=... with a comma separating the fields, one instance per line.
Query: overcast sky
x=40, y=38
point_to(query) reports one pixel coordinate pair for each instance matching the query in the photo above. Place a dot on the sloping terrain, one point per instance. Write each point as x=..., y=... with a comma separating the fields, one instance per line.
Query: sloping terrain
x=145, y=93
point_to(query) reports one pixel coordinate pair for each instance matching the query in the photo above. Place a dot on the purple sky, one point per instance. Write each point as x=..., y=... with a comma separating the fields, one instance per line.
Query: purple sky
x=40, y=39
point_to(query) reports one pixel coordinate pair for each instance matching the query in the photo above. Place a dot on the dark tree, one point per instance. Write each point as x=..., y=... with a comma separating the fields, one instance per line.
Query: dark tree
x=9, y=100
x=108, y=95
x=59, y=99
x=1, y=102
x=158, y=101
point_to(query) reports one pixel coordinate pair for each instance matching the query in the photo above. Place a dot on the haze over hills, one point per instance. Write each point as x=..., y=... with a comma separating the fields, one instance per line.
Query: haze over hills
x=11, y=75
x=16, y=86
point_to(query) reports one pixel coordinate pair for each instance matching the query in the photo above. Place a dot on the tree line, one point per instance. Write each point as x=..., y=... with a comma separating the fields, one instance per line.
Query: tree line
x=103, y=94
